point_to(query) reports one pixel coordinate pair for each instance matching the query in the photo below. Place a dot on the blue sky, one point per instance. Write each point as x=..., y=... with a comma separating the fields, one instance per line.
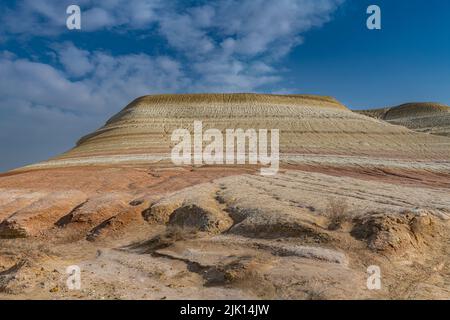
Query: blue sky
x=57, y=85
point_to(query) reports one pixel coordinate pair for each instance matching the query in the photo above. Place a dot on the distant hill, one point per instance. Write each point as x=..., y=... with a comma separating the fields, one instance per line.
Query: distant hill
x=425, y=117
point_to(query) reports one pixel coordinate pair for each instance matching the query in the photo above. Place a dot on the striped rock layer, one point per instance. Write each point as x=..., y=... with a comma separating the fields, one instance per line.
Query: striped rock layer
x=141, y=132
x=431, y=118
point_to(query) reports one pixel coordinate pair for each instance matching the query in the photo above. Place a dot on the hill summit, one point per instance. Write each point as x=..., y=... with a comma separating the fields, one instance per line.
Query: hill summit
x=426, y=117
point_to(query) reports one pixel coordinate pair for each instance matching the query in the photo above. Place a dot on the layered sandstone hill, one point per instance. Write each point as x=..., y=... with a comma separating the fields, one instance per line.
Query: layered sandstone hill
x=422, y=117
x=141, y=132
x=351, y=191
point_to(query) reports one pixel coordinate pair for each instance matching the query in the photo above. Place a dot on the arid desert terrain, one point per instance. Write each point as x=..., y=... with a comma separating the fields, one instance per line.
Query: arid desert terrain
x=353, y=190
x=423, y=117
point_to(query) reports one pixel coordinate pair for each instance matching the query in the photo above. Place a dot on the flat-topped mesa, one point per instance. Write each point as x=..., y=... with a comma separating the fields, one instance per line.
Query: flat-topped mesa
x=232, y=98
x=308, y=124
x=242, y=107
x=427, y=117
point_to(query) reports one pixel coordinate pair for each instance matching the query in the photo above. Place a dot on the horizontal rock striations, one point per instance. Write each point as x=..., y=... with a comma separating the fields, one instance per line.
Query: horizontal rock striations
x=141, y=132
x=431, y=118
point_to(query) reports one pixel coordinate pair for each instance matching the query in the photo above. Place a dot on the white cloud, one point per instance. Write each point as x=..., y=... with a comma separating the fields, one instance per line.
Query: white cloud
x=48, y=17
x=97, y=18
x=43, y=111
x=113, y=82
x=34, y=17
x=244, y=27
x=40, y=84
x=255, y=26
x=75, y=61
x=223, y=45
x=233, y=45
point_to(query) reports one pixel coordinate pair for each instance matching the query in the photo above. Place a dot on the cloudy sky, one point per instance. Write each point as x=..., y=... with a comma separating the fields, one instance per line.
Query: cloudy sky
x=58, y=84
